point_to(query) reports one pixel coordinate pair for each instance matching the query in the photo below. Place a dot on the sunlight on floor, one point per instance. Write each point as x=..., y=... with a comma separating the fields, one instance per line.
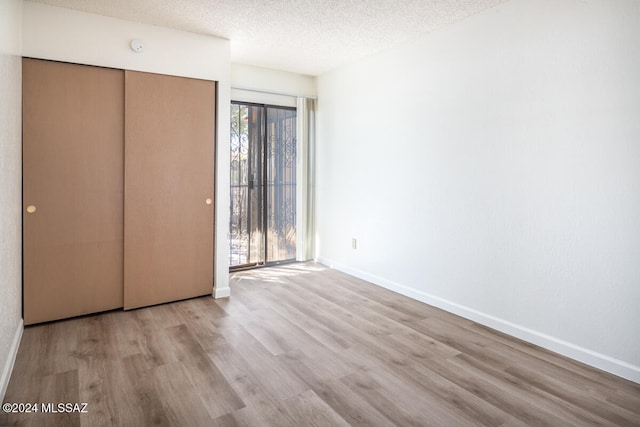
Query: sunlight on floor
x=276, y=274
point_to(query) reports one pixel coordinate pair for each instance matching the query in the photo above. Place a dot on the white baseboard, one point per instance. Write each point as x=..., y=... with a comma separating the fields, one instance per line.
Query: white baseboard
x=11, y=359
x=221, y=292
x=581, y=354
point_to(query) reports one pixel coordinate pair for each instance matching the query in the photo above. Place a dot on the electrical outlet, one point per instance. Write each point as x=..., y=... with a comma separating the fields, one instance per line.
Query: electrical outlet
x=354, y=243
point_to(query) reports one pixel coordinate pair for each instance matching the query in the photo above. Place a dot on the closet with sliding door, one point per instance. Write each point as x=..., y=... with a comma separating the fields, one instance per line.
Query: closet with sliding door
x=118, y=189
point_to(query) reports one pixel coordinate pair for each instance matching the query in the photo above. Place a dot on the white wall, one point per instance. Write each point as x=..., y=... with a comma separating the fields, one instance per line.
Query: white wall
x=72, y=36
x=10, y=187
x=493, y=169
x=276, y=82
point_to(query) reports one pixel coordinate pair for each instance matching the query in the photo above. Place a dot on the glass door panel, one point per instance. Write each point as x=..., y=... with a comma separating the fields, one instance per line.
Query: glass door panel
x=247, y=207
x=281, y=184
x=263, y=172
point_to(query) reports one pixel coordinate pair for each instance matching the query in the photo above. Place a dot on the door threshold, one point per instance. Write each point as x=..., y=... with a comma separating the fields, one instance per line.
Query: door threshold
x=263, y=265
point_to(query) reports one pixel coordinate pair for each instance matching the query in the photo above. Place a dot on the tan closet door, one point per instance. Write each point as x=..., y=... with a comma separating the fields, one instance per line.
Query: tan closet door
x=73, y=189
x=169, y=170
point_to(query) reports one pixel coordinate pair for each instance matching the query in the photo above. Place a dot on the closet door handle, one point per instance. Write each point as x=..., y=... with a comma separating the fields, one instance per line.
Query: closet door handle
x=208, y=201
x=31, y=209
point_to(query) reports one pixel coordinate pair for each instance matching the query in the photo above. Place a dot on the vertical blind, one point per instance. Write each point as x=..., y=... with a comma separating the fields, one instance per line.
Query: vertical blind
x=306, y=148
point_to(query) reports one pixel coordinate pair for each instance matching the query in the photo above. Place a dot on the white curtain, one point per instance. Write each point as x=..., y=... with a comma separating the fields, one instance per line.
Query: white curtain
x=305, y=179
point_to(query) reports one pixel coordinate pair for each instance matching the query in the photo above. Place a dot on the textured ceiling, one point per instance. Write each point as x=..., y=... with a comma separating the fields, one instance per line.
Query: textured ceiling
x=303, y=36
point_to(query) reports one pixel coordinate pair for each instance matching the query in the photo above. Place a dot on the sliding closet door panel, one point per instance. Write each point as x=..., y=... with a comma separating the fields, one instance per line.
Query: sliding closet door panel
x=169, y=172
x=73, y=129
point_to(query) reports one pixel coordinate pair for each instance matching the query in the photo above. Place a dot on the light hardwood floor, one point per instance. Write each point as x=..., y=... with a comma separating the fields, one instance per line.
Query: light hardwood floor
x=303, y=345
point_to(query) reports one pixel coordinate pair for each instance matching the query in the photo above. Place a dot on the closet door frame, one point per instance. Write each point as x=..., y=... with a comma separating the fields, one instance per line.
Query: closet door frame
x=75, y=166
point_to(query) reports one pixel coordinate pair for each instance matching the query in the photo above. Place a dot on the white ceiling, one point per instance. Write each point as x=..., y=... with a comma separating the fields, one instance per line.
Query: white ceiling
x=302, y=36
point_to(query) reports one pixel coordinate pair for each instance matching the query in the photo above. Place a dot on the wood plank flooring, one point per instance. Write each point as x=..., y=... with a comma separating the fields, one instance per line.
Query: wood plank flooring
x=303, y=345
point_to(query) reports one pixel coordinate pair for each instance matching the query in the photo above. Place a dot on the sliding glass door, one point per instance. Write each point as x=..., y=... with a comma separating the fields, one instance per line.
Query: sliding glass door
x=263, y=185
